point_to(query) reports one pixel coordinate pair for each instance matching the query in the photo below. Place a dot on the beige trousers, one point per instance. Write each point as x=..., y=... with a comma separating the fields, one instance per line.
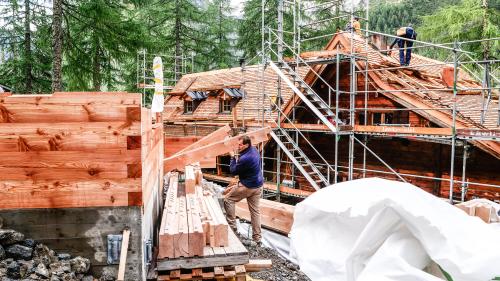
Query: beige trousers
x=238, y=193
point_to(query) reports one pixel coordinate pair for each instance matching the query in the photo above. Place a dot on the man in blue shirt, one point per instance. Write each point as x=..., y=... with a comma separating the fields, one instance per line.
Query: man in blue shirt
x=248, y=167
x=408, y=33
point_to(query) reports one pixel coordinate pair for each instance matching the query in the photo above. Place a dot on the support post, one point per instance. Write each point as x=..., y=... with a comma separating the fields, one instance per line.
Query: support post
x=464, y=165
x=453, y=131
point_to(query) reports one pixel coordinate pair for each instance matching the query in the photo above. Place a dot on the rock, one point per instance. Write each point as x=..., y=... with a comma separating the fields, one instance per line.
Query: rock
x=88, y=278
x=13, y=270
x=2, y=253
x=42, y=271
x=29, y=243
x=9, y=237
x=54, y=278
x=42, y=254
x=80, y=265
x=26, y=268
x=19, y=252
x=69, y=277
x=60, y=268
x=64, y=256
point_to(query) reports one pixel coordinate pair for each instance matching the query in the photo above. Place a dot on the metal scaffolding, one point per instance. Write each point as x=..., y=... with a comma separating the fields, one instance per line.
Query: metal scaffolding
x=274, y=49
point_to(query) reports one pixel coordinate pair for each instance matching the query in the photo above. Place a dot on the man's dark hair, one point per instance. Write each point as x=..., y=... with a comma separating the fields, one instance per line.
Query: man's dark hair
x=246, y=140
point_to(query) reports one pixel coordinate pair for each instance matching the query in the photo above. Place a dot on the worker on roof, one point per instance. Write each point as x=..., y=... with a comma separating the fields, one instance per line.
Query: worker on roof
x=354, y=25
x=248, y=167
x=404, y=33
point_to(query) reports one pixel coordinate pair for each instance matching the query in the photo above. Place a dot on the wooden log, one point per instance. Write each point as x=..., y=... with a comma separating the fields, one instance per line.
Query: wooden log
x=274, y=215
x=207, y=222
x=169, y=220
x=225, y=146
x=190, y=180
x=220, y=223
x=62, y=128
x=181, y=237
x=196, y=236
x=258, y=265
x=215, y=136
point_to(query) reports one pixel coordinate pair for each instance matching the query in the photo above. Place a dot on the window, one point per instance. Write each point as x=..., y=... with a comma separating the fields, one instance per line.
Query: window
x=377, y=118
x=225, y=106
x=188, y=106
x=402, y=117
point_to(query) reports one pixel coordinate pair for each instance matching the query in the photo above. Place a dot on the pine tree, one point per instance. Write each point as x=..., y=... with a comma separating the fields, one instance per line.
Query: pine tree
x=222, y=30
x=470, y=20
x=100, y=35
x=27, y=63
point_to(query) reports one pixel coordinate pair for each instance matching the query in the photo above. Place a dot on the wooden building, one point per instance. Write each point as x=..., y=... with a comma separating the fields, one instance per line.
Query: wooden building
x=409, y=118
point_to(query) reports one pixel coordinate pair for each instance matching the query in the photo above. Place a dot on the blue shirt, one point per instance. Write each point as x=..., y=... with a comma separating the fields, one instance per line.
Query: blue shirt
x=248, y=168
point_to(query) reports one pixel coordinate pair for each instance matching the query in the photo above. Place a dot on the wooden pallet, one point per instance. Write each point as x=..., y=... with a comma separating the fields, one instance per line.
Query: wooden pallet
x=234, y=254
x=226, y=273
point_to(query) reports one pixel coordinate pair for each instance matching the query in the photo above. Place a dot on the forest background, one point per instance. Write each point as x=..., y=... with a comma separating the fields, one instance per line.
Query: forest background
x=96, y=45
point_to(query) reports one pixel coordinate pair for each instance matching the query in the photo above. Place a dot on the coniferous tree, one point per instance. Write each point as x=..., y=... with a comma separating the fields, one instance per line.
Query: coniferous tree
x=222, y=30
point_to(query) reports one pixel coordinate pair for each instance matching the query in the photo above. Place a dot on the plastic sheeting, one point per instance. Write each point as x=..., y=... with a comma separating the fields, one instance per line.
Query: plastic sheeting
x=375, y=229
x=270, y=239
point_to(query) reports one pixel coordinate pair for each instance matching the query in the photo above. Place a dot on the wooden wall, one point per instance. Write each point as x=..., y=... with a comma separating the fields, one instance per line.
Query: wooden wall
x=70, y=150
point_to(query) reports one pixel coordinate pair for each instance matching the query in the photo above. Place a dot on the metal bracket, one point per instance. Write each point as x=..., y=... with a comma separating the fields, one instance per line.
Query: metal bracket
x=114, y=248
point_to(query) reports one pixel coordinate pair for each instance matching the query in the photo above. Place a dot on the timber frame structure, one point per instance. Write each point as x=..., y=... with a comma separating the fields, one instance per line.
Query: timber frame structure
x=360, y=56
x=449, y=101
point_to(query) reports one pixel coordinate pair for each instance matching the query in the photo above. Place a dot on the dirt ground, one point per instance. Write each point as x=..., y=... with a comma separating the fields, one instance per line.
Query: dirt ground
x=282, y=269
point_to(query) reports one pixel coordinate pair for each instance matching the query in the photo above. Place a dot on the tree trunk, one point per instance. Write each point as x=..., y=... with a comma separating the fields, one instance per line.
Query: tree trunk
x=57, y=45
x=27, y=48
x=177, y=31
x=96, y=69
x=486, y=44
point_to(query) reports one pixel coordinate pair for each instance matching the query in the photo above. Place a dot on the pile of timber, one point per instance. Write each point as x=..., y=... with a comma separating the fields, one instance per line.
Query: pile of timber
x=192, y=218
x=481, y=208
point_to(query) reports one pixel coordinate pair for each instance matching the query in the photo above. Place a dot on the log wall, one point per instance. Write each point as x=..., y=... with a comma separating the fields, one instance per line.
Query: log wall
x=70, y=150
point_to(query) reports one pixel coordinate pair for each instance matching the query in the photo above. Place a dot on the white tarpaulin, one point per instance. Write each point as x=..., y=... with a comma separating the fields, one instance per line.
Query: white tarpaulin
x=375, y=229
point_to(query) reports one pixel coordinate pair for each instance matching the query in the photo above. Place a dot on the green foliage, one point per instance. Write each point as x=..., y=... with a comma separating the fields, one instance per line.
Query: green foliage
x=101, y=35
x=12, y=70
x=222, y=31
x=464, y=22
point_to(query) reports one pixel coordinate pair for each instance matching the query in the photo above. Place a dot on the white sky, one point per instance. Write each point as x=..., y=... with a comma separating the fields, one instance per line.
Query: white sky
x=237, y=5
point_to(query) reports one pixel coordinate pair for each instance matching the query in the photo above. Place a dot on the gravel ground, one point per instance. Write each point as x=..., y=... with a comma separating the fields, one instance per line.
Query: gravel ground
x=282, y=269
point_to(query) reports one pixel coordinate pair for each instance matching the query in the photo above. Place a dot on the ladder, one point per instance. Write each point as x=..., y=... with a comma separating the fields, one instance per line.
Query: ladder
x=308, y=169
x=310, y=98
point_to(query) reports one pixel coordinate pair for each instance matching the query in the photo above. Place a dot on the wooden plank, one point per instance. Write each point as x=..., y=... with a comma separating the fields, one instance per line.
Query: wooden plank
x=76, y=98
x=198, y=262
x=63, y=128
x=123, y=255
x=180, y=160
x=44, y=159
x=258, y=265
x=169, y=228
x=234, y=245
x=196, y=236
x=97, y=171
x=68, y=199
x=181, y=240
x=65, y=142
x=29, y=113
x=215, y=136
x=62, y=185
x=274, y=215
x=190, y=179
x=220, y=224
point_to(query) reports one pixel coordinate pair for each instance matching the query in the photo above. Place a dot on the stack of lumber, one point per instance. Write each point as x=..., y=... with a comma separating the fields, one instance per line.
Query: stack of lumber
x=481, y=208
x=192, y=219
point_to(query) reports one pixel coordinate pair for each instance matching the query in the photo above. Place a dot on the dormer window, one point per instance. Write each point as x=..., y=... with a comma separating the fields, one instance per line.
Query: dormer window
x=228, y=99
x=188, y=106
x=225, y=106
x=192, y=99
